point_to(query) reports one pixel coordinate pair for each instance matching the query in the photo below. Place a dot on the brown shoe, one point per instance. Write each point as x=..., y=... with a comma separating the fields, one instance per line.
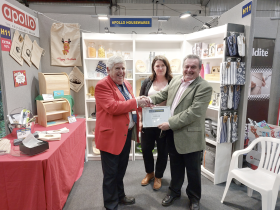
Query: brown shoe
x=149, y=177
x=157, y=183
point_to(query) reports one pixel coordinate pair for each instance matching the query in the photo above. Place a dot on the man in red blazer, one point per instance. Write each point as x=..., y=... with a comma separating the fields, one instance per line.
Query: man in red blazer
x=116, y=126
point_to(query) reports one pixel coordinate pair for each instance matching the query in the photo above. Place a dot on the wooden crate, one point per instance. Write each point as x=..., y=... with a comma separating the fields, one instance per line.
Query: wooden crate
x=49, y=82
x=212, y=77
x=53, y=112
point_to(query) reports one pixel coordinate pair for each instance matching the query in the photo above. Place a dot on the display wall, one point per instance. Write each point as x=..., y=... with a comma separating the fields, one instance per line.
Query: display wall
x=235, y=16
x=23, y=96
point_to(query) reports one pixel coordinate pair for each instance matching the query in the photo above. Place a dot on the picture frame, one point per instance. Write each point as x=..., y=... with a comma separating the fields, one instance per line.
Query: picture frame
x=215, y=70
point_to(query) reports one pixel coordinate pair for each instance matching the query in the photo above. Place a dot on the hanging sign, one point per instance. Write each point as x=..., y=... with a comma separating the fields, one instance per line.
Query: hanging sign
x=19, y=78
x=5, y=38
x=246, y=10
x=16, y=18
x=260, y=79
x=130, y=22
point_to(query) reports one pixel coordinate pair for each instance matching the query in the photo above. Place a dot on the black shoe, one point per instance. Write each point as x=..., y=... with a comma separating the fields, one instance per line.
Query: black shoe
x=169, y=199
x=194, y=205
x=127, y=200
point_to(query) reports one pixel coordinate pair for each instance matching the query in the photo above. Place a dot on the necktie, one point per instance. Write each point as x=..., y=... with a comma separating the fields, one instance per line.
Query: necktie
x=121, y=88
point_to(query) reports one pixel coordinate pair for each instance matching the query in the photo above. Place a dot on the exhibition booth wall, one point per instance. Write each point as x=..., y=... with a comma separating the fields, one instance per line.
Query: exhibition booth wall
x=14, y=97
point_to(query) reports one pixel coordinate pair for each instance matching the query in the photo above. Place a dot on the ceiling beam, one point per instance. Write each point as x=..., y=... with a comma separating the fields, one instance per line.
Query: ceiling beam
x=204, y=2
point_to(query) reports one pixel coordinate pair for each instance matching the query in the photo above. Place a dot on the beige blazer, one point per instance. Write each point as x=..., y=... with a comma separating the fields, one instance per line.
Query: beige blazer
x=188, y=121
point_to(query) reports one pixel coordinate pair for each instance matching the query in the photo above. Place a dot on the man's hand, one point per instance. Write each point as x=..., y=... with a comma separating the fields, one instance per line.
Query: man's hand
x=148, y=102
x=142, y=102
x=164, y=126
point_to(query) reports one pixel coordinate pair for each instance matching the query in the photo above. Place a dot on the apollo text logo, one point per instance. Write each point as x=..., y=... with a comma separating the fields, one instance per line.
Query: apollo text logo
x=13, y=15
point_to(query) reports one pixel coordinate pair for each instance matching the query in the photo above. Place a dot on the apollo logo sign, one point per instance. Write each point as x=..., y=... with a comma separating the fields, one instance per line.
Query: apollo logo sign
x=13, y=15
x=260, y=52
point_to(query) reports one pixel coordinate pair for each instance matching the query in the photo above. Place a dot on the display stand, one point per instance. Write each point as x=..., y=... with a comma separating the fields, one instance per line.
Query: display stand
x=224, y=150
x=120, y=44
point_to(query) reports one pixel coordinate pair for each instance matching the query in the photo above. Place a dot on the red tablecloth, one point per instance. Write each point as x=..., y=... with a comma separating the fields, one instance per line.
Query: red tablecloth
x=44, y=181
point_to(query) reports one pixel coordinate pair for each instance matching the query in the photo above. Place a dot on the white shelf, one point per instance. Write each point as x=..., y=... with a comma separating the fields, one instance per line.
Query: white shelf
x=207, y=173
x=91, y=120
x=90, y=100
x=143, y=73
x=208, y=34
x=93, y=78
x=211, y=141
x=129, y=79
x=212, y=81
x=217, y=108
x=96, y=59
x=213, y=58
x=103, y=59
x=91, y=135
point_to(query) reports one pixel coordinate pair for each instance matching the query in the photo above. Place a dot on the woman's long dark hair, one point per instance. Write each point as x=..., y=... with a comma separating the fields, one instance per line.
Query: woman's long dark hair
x=168, y=74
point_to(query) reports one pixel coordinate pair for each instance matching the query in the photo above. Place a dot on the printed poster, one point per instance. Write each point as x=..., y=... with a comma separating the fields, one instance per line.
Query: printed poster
x=260, y=79
x=19, y=78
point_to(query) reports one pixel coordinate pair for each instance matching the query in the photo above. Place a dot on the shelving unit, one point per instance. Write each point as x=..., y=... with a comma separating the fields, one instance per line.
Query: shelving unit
x=139, y=46
x=53, y=112
x=223, y=151
x=123, y=43
x=173, y=47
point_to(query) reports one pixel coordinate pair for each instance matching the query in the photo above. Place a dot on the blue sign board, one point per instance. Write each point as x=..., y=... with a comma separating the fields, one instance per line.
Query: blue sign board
x=246, y=10
x=5, y=32
x=130, y=22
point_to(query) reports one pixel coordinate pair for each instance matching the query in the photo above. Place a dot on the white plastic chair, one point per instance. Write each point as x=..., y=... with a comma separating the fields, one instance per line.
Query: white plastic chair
x=264, y=180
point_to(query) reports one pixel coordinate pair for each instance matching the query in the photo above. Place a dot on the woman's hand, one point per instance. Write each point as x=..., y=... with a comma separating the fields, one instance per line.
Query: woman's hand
x=140, y=126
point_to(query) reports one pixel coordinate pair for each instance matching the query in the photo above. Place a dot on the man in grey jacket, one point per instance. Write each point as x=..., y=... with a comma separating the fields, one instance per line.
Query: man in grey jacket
x=188, y=96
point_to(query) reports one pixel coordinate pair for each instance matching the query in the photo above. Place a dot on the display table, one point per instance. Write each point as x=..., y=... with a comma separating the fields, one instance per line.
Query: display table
x=44, y=181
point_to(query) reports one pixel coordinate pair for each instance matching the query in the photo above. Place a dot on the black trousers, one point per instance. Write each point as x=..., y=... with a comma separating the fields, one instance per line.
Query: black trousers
x=178, y=163
x=114, y=168
x=148, y=138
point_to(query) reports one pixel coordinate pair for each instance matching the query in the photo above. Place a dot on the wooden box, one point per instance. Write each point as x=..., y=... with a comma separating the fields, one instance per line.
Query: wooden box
x=53, y=112
x=49, y=82
x=212, y=77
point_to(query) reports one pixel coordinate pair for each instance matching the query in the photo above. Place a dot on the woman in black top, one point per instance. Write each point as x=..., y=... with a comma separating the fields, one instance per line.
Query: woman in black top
x=161, y=76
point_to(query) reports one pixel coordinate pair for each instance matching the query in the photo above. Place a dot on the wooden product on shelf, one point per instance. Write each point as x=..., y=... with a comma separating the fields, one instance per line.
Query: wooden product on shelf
x=49, y=82
x=53, y=112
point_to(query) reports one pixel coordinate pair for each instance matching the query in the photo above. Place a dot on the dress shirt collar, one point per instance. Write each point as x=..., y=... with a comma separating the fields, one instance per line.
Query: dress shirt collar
x=185, y=83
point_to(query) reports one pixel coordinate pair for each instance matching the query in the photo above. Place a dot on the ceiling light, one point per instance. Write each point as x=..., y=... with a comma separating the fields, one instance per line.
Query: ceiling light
x=207, y=25
x=102, y=17
x=163, y=18
x=185, y=15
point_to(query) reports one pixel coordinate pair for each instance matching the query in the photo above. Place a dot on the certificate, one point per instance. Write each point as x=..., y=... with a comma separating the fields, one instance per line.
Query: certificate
x=155, y=116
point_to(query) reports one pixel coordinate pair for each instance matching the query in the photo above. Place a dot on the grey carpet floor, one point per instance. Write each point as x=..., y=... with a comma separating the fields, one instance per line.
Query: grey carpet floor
x=86, y=193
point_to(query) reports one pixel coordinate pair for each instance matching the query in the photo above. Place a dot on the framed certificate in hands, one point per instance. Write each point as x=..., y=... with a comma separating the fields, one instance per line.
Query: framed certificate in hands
x=152, y=117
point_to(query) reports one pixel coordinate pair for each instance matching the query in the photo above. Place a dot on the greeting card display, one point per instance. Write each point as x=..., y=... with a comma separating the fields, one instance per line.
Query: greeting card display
x=19, y=78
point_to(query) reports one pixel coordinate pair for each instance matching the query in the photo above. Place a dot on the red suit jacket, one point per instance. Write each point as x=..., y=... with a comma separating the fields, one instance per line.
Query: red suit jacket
x=112, y=118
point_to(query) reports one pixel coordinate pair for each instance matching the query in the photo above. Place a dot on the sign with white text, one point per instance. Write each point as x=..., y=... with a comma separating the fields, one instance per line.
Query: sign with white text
x=260, y=79
x=14, y=17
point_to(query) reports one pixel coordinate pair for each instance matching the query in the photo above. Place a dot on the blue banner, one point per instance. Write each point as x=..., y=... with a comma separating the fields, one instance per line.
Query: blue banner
x=130, y=22
x=5, y=32
x=246, y=10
